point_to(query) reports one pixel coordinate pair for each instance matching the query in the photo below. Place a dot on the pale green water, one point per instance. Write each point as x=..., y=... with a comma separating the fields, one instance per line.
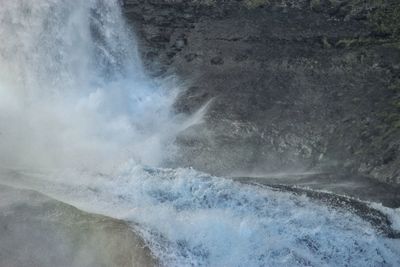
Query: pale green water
x=38, y=231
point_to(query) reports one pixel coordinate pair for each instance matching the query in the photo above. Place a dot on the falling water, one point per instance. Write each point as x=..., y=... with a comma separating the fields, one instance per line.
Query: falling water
x=73, y=92
x=82, y=122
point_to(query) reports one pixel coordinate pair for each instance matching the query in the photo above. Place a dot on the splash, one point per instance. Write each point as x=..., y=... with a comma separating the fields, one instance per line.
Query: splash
x=188, y=218
x=73, y=93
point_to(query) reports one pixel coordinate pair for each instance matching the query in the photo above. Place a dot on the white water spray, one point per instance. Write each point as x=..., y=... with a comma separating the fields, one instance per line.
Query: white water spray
x=76, y=104
x=73, y=93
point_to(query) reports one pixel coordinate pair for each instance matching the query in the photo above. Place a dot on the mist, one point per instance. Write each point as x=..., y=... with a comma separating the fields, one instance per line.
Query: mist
x=73, y=93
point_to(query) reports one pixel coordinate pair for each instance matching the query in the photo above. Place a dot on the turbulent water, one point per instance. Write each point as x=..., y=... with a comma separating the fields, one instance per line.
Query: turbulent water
x=73, y=93
x=81, y=122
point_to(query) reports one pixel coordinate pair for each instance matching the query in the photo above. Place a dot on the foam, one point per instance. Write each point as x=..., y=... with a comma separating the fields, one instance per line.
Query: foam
x=189, y=218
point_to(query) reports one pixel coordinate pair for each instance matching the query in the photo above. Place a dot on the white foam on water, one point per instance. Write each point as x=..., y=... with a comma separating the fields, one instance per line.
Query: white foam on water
x=189, y=218
x=392, y=214
x=76, y=104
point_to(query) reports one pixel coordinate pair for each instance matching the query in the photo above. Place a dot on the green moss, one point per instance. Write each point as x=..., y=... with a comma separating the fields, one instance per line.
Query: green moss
x=203, y=2
x=326, y=43
x=364, y=41
x=247, y=3
x=355, y=42
x=383, y=16
x=397, y=124
x=209, y=2
x=392, y=119
x=386, y=20
x=345, y=43
x=396, y=104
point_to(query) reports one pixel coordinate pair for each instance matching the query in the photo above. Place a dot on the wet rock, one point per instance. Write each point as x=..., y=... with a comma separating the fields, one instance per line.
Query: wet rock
x=332, y=64
x=217, y=61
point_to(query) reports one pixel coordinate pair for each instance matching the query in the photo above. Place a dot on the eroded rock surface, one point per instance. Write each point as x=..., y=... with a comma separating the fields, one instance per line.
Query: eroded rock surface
x=296, y=85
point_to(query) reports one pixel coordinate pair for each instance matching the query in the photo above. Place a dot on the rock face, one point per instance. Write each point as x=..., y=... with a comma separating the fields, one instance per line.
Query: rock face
x=295, y=84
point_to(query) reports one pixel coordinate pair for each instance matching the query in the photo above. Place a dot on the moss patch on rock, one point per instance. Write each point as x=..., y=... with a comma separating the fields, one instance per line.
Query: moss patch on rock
x=386, y=19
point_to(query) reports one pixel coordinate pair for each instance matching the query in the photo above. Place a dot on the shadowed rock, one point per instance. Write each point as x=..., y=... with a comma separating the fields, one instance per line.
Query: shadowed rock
x=297, y=85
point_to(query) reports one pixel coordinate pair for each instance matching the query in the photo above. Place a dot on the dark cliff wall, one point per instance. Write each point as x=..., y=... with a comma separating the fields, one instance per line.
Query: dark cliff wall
x=297, y=85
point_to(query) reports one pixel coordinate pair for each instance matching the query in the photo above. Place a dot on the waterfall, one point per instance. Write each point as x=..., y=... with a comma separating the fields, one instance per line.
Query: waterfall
x=73, y=92
x=80, y=121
